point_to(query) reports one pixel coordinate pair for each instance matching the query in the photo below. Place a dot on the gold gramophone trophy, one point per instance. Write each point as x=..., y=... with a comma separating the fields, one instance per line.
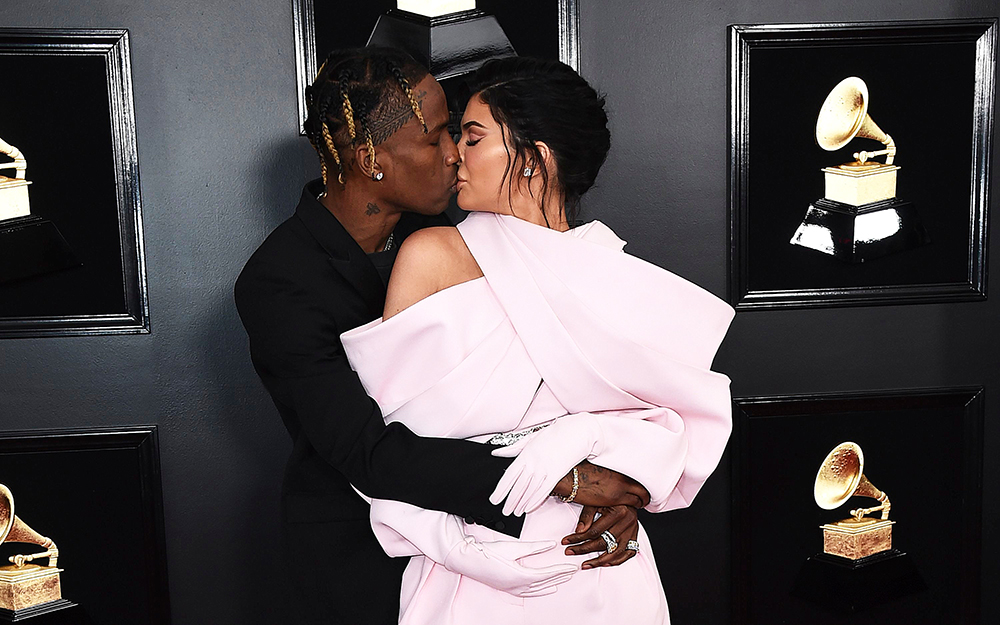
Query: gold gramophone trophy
x=29, y=244
x=859, y=568
x=859, y=218
x=27, y=589
x=841, y=477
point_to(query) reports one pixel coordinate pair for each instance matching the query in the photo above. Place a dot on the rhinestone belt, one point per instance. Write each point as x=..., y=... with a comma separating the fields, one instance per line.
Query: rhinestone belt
x=509, y=438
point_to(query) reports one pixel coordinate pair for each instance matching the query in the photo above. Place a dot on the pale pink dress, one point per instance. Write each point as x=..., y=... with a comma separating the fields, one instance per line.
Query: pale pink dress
x=560, y=323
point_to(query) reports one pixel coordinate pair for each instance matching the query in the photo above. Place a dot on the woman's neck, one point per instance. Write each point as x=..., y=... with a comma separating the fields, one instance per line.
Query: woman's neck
x=530, y=209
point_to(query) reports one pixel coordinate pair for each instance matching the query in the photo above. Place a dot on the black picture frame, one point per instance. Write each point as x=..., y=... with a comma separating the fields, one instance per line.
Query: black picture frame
x=546, y=28
x=96, y=492
x=923, y=448
x=78, y=135
x=931, y=87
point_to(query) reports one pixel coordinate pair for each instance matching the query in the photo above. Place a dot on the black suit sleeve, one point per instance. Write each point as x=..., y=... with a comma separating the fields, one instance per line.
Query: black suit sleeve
x=296, y=348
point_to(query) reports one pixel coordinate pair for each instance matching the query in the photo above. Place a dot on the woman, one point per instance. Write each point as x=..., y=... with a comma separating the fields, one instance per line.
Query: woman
x=514, y=328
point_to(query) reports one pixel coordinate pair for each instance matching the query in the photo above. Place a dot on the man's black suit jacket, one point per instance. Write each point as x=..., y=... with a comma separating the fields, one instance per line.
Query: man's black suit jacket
x=307, y=283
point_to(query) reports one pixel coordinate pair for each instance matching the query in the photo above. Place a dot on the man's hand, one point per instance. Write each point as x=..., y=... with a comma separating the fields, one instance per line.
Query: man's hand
x=621, y=521
x=600, y=487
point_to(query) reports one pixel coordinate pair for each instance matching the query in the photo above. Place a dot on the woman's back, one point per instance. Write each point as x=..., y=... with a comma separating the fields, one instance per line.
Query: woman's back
x=430, y=260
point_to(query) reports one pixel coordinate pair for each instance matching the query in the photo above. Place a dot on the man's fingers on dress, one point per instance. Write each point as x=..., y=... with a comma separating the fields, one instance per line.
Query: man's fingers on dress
x=609, y=517
x=621, y=521
x=624, y=533
x=591, y=546
x=587, y=515
x=618, y=556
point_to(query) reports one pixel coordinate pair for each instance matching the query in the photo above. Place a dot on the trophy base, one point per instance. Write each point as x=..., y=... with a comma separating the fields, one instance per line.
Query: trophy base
x=849, y=586
x=30, y=246
x=857, y=184
x=28, y=586
x=51, y=613
x=855, y=234
x=857, y=539
x=449, y=45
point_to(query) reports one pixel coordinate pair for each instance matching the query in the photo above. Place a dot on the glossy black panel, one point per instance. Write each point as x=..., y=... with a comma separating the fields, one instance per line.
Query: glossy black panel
x=546, y=28
x=78, y=135
x=923, y=448
x=931, y=88
x=96, y=493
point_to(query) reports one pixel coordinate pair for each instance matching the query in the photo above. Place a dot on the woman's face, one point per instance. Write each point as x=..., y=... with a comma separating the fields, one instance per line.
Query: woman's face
x=485, y=158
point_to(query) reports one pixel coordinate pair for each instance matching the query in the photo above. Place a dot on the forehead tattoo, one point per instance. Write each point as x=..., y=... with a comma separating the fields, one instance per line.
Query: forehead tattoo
x=383, y=124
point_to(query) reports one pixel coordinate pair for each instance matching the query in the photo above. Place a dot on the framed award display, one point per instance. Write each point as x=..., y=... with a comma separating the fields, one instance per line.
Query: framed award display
x=71, y=249
x=860, y=162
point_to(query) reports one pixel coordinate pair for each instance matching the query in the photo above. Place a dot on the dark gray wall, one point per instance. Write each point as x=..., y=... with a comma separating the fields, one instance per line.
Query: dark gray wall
x=221, y=164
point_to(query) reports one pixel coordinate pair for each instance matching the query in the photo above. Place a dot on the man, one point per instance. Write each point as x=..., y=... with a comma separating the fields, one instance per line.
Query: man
x=379, y=123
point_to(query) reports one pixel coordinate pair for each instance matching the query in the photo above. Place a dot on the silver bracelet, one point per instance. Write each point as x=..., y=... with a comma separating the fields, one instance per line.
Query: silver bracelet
x=576, y=487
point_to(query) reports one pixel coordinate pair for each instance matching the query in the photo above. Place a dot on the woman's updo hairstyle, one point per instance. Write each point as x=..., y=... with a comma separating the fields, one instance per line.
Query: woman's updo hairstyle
x=547, y=101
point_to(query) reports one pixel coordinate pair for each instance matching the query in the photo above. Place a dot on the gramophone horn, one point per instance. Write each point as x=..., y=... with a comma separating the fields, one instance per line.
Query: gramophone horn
x=844, y=115
x=841, y=476
x=14, y=530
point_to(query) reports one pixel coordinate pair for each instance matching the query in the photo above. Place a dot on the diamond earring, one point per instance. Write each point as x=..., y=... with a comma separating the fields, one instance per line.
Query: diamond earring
x=377, y=176
x=527, y=172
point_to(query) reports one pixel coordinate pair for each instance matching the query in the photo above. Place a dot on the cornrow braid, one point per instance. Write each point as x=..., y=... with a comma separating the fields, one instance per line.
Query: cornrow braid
x=313, y=138
x=405, y=85
x=371, y=147
x=329, y=143
x=332, y=148
x=360, y=91
x=344, y=83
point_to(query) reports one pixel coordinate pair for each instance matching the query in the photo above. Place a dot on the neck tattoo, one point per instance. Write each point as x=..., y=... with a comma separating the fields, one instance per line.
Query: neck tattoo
x=372, y=209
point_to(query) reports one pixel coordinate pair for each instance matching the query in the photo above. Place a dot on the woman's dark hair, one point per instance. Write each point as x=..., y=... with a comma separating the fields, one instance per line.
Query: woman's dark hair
x=547, y=101
x=360, y=94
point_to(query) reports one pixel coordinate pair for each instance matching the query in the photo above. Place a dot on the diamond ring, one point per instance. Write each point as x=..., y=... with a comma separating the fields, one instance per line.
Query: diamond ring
x=610, y=541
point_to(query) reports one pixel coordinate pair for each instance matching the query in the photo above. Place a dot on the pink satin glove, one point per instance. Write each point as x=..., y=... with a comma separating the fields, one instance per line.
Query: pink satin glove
x=496, y=564
x=543, y=459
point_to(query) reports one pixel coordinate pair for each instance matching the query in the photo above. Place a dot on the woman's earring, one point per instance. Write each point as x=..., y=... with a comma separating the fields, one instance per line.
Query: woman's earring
x=377, y=176
x=527, y=172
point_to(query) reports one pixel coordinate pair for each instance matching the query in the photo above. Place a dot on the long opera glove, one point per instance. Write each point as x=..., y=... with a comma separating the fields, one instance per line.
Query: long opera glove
x=406, y=530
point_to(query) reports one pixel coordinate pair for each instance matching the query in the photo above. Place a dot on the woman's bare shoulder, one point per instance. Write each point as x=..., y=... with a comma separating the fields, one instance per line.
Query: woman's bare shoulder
x=430, y=260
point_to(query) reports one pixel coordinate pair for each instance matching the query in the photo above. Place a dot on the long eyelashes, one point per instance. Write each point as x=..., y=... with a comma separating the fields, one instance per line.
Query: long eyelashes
x=470, y=142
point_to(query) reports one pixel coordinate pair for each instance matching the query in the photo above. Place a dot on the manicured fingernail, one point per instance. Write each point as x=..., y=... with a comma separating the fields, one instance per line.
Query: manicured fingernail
x=569, y=552
x=565, y=541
